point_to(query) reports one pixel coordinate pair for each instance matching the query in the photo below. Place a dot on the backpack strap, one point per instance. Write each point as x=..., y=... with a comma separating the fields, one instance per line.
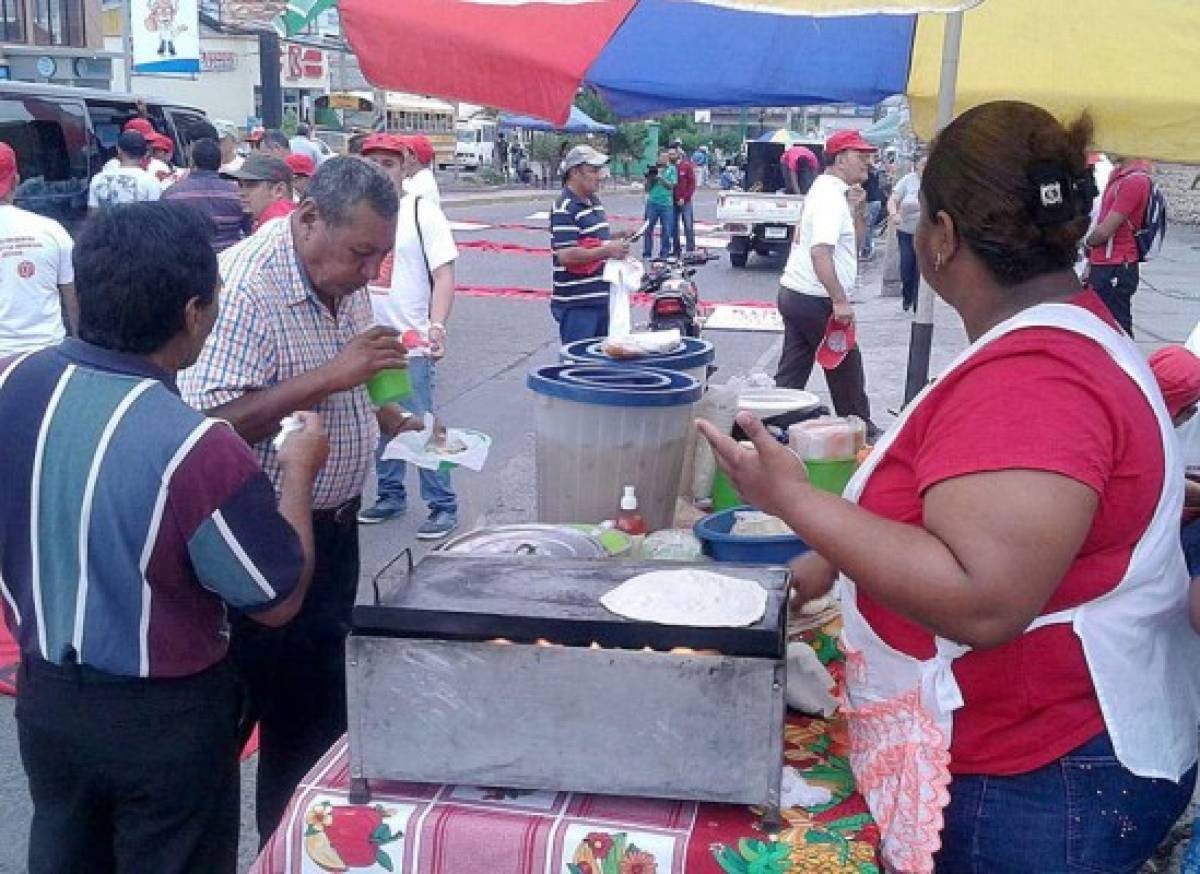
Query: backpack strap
x=1108, y=247
x=421, y=241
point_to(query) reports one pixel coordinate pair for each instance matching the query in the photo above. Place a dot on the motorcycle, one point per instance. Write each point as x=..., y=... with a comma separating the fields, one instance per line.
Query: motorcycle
x=674, y=298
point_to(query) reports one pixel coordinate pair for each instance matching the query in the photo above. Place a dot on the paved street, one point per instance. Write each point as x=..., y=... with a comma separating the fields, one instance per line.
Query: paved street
x=500, y=330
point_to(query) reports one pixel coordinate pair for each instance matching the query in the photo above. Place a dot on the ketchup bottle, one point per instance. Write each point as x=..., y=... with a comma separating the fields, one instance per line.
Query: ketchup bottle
x=629, y=519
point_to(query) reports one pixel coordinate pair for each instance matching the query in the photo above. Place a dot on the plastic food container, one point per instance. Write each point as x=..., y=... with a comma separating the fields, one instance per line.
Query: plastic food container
x=692, y=358
x=600, y=428
x=720, y=545
x=831, y=475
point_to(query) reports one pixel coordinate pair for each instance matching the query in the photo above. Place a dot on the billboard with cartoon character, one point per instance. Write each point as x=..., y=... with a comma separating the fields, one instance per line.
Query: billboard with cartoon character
x=166, y=36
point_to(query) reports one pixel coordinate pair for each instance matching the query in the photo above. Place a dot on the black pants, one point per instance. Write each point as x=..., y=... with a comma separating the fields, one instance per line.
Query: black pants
x=294, y=677
x=128, y=775
x=910, y=276
x=1116, y=283
x=804, y=320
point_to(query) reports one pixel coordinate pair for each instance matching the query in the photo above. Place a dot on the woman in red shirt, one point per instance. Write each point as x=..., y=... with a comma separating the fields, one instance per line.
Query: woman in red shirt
x=1013, y=590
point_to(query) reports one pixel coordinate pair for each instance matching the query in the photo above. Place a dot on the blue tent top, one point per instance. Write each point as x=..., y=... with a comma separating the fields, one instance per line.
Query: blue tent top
x=579, y=123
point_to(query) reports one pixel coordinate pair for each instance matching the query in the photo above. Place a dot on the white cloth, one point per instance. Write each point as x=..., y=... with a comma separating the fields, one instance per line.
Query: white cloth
x=827, y=221
x=1153, y=734
x=909, y=203
x=158, y=170
x=35, y=259
x=405, y=305
x=424, y=184
x=305, y=146
x=123, y=185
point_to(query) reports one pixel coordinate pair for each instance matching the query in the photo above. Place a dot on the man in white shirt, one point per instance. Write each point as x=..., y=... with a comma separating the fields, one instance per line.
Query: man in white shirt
x=156, y=167
x=302, y=144
x=821, y=272
x=128, y=183
x=421, y=180
x=416, y=295
x=36, y=277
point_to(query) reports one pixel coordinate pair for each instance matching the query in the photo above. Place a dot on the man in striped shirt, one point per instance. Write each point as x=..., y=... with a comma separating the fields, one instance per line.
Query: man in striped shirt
x=129, y=525
x=208, y=193
x=295, y=333
x=580, y=239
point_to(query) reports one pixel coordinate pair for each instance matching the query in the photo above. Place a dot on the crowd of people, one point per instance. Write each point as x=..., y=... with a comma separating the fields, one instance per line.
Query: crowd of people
x=183, y=572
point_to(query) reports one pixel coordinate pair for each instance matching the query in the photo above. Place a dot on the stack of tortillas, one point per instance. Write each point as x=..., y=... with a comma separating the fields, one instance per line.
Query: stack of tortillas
x=690, y=597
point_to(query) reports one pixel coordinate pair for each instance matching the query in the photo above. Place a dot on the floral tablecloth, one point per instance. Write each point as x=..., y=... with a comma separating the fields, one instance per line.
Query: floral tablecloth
x=443, y=829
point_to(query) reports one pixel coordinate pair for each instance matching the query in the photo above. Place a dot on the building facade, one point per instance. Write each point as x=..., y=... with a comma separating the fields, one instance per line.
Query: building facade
x=54, y=41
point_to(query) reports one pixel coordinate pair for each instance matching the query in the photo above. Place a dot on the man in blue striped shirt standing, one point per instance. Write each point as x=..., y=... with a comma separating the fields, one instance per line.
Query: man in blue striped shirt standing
x=581, y=243
x=130, y=526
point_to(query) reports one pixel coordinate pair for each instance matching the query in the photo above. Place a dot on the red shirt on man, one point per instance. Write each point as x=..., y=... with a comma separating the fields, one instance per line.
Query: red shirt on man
x=1036, y=399
x=685, y=188
x=1127, y=192
x=792, y=157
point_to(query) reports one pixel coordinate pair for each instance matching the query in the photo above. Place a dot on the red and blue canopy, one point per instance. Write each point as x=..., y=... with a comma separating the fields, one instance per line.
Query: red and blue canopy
x=643, y=56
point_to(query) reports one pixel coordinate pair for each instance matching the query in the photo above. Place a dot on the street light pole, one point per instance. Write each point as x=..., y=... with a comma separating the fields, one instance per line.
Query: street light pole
x=921, y=342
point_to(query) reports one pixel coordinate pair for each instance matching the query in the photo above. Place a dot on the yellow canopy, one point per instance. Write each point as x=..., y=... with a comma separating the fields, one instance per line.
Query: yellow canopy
x=1134, y=66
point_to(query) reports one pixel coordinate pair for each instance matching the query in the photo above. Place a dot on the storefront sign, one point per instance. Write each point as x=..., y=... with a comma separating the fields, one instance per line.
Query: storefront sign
x=218, y=62
x=166, y=36
x=304, y=67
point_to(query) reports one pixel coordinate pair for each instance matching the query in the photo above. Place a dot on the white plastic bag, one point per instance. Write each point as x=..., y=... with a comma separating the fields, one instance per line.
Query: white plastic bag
x=624, y=277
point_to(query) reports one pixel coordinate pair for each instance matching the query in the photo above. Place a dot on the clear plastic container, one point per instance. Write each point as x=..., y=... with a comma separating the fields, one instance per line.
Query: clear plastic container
x=599, y=429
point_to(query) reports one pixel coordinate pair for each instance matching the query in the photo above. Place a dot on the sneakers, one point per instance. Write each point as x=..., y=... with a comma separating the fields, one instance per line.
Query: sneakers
x=438, y=525
x=382, y=511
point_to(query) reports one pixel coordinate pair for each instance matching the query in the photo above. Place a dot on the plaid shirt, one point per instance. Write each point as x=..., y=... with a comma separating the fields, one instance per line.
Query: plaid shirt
x=272, y=328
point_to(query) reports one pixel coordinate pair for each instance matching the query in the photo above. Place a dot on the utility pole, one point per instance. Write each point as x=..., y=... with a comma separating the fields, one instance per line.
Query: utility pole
x=126, y=45
x=269, y=73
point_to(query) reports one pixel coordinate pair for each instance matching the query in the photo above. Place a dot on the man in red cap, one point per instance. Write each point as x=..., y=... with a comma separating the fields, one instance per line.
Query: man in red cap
x=303, y=169
x=36, y=276
x=415, y=293
x=814, y=298
x=129, y=182
x=420, y=178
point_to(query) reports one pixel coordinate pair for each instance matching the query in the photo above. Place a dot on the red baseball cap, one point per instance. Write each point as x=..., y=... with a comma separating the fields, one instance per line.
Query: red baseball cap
x=161, y=142
x=387, y=143
x=8, y=169
x=421, y=147
x=141, y=125
x=836, y=345
x=301, y=165
x=845, y=141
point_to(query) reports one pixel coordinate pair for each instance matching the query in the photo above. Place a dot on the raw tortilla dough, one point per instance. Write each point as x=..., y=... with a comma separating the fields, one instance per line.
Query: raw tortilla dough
x=689, y=597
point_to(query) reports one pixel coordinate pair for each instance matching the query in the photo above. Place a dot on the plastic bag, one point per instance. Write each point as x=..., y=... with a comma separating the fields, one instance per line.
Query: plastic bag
x=624, y=277
x=672, y=544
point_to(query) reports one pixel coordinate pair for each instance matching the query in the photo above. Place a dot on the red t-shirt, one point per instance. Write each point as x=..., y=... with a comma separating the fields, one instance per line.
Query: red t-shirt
x=685, y=188
x=278, y=209
x=1127, y=192
x=1036, y=399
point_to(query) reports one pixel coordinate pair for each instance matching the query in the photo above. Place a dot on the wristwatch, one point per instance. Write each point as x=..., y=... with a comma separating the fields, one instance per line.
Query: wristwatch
x=440, y=327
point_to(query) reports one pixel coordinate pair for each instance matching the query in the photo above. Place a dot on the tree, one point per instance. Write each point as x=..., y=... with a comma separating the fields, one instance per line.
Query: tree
x=628, y=143
x=593, y=105
x=679, y=125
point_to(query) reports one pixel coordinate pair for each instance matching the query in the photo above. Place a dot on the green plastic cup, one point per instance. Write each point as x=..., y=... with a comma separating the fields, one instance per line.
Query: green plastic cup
x=724, y=495
x=389, y=386
x=831, y=475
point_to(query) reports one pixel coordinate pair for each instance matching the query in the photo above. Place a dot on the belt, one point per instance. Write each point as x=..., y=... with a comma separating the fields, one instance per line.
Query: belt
x=343, y=514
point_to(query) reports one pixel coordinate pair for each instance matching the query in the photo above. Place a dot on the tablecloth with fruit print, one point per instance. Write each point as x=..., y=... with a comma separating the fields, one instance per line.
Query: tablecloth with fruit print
x=420, y=828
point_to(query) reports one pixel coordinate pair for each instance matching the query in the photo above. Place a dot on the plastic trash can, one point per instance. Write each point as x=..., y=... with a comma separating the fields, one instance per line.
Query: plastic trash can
x=600, y=428
x=693, y=357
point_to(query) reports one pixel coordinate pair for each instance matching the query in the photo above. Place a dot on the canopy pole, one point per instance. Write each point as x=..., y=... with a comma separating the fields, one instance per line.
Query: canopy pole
x=921, y=341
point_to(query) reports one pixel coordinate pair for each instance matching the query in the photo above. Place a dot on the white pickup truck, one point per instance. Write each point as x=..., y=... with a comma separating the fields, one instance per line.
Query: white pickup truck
x=758, y=222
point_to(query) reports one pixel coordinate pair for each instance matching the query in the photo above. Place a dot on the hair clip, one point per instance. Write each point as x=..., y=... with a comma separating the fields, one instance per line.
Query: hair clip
x=1056, y=199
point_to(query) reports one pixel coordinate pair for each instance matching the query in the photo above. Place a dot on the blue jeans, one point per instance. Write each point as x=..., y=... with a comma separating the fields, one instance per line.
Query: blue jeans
x=580, y=321
x=1083, y=814
x=1191, y=547
x=874, y=207
x=664, y=216
x=684, y=211
x=435, y=487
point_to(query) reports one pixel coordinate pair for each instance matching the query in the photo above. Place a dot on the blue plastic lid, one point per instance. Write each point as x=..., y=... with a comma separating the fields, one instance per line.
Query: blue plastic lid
x=610, y=386
x=694, y=353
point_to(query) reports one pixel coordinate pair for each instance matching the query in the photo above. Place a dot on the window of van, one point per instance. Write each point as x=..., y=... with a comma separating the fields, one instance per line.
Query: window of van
x=108, y=118
x=50, y=137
